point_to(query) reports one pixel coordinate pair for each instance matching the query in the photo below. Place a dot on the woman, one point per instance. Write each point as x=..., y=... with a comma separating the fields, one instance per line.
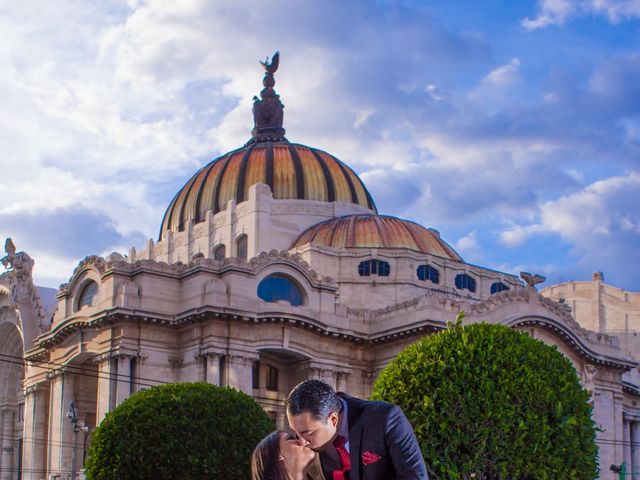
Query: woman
x=282, y=456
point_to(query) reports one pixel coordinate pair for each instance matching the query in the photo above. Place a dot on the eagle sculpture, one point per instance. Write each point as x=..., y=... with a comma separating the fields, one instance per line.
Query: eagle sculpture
x=9, y=247
x=532, y=280
x=271, y=67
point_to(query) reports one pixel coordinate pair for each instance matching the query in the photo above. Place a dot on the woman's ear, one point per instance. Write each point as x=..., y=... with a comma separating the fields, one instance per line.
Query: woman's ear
x=281, y=457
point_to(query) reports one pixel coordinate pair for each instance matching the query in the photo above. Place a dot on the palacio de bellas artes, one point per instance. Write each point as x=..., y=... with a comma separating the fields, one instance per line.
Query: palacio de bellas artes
x=272, y=266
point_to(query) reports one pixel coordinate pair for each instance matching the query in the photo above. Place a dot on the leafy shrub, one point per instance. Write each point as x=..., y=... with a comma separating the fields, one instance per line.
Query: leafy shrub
x=489, y=402
x=178, y=431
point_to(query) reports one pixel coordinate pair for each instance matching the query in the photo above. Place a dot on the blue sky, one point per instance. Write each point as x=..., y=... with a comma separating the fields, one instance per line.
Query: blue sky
x=511, y=127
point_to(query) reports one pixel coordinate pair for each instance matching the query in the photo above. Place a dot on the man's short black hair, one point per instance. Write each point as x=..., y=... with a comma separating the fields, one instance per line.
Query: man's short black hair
x=315, y=397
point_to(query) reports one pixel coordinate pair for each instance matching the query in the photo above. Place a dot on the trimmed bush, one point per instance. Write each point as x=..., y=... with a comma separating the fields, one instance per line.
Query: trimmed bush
x=489, y=402
x=187, y=431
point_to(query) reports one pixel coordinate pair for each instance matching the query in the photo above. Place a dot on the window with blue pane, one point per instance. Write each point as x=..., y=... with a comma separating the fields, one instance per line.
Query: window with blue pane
x=280, y=287
x=374, y=267
x=428, y=272
x=498, y=287
x=89, y=291
x=465, y=282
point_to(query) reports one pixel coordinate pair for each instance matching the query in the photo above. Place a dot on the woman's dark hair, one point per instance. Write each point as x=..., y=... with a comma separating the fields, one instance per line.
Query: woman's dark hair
x=265, y=460
x=313, y=396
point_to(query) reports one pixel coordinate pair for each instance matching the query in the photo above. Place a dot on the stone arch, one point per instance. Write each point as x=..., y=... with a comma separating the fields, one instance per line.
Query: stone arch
x=12, y=370
x=553, y=332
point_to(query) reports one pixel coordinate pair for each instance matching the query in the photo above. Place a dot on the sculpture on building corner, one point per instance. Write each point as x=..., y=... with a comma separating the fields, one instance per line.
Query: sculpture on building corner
x=532, y=280
x=20, y=262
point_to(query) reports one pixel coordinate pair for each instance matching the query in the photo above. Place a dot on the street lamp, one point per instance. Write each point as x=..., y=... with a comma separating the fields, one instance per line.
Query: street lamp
x=72, y=414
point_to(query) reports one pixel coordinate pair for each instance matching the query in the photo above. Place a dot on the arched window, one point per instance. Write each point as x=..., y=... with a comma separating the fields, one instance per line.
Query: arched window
x=280, y=287
x=498, y=287
x=427, y=272
x=242, y=244
x=374, y=267
x=87, y=294
x=219, y=252
x=465, y=282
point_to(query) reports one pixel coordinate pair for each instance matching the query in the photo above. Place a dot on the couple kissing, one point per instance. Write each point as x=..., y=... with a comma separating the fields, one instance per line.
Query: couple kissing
x=334, y=436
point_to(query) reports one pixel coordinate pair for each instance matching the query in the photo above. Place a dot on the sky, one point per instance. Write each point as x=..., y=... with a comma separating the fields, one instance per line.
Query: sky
x=513, y=128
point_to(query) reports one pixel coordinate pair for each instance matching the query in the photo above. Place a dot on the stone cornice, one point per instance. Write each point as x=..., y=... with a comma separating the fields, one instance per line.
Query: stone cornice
x=580, y=340
x=179, y=270
x=576, y=342
x=631, y=389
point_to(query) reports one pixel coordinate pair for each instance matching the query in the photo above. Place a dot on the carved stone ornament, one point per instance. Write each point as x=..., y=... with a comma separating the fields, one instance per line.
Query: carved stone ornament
x=19, y=282
x=589, y=373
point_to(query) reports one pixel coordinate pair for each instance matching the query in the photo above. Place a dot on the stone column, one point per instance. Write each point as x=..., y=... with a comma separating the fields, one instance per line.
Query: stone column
x=60, y=427
x=635, y=450
x=212, y=373
x=123, y=383
x=330, y=374
x=341, y=380
x=7, y=445
x=627, y=443
x=106, y=397
x=36, y=417
x=240, y=371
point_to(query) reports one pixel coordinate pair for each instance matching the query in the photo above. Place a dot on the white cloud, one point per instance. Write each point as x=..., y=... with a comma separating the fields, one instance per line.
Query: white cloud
x=362, y=116
x=469, y=247
x=552, y=12
x=494, y=91
x=557, y=12
x=599, y=222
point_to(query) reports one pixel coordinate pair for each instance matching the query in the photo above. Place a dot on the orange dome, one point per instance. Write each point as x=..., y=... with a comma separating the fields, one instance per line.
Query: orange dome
x=292, y=171
x=376, y=231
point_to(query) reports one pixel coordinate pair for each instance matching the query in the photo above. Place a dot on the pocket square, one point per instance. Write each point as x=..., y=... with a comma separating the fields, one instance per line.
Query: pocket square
x=369, y=457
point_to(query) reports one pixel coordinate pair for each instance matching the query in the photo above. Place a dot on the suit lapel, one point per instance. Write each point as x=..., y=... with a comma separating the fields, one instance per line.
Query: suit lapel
x=355, y=447
x=355, y=434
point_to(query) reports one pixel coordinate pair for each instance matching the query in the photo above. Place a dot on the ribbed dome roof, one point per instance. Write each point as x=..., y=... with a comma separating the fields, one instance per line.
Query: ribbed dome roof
x=376, y=231
x=292, y=171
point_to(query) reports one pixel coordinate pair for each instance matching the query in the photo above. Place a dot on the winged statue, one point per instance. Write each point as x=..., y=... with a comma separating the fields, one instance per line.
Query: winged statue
x=532, y=280
x=271, y=67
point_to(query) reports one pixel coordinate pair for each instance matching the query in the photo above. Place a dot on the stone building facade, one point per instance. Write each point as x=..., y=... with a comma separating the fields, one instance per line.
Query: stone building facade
x=614, y=312
x=272, y=266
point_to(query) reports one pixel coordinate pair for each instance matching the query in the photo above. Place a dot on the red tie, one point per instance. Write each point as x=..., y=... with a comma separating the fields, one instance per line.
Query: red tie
x=345, y=461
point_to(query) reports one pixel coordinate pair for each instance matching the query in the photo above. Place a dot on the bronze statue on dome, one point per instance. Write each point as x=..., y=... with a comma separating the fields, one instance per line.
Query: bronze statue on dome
x=268, y=111
x=271, y=67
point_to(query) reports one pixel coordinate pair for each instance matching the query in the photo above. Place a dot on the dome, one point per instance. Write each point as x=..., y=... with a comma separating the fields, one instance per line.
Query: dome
x=376, y=231
x=291, y=171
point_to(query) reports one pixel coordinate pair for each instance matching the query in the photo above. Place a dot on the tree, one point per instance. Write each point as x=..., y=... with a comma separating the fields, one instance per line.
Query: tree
x=188, y=431
x=489, y=402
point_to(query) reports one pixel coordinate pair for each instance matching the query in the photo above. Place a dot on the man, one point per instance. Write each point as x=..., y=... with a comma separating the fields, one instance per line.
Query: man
x=356, y=439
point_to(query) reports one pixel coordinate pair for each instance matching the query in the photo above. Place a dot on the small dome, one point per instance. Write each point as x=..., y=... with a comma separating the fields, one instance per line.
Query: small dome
x=291, y=171
x=376, y=231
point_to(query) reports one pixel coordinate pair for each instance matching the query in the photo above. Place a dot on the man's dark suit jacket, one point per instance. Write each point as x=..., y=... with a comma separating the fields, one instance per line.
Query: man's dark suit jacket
x=380, y=429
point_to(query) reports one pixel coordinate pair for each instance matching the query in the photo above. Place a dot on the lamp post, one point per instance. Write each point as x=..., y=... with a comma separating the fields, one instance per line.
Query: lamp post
x=72, y=414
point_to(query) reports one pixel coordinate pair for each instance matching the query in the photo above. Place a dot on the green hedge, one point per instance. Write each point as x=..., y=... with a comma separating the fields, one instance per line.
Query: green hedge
x=491, y=401
x=188, y=431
